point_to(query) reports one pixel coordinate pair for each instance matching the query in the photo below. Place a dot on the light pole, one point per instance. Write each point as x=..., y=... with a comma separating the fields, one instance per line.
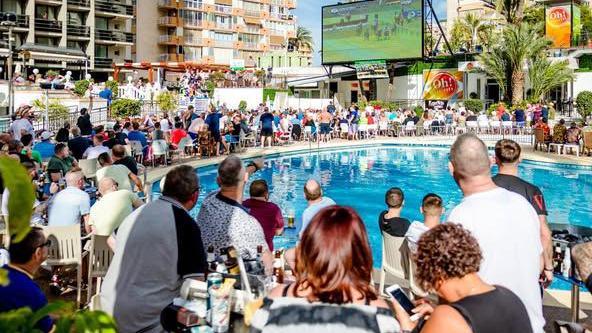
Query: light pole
x=9, y=20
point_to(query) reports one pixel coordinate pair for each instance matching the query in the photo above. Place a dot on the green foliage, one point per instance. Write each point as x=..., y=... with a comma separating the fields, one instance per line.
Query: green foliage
x=418, y=110
x=545, y=75
x=51, y=73
x=584, y=104
x=260, y=74
x=56, y=111
x=125, y=107
x=21, y=197
x=511, y=10
x=23, y=320
x=475, y=105
x=80, y=87
x=217, y=77
x=269, y=93
x=585, y=63
x=492, y=108
x=113, y=86
x=167, y=101
x=210, y=86
x=534, y=14
x=242, y=105
x=303, y=40
x=586, y=19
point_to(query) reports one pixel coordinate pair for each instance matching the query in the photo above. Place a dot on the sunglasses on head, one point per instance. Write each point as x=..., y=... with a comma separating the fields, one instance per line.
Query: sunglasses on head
x=46, y=244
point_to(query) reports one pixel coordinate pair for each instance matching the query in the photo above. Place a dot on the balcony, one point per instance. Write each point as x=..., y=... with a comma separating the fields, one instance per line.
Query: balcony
x=114, y=37
x=226, y=10
x=48, y=25
x=194, y=41
x=253, y=13
x=79, y=3
x=113, y=9
x=194, y=5
x=22, y=21
x=199, y=24
x=170, y=40
x=221, y=26
x=103, y=62
x=250, y=46
x=78, y=30
x=276, y=32
x=170, y=4
x=169, y=21
x=224, y=43
x=171, y=57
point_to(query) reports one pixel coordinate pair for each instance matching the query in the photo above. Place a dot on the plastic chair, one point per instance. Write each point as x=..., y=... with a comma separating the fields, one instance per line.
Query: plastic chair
x=483, y=126
x=472, y=126
x=415, y=289
x=287, y=136
x=496, y=126
x=572, y=147
x=393, y=258
x=160, y=148
x=66, y=250
x=372, y=130
x=410, y=128
x=308, y=133
x=244, y=139
x=182, y=147
x=89, y=167
x=344, y=129
x=508, y=126
x=587, y=145
x=137, y=151
x=363, y=130
x=99, y=259
x=539, y=138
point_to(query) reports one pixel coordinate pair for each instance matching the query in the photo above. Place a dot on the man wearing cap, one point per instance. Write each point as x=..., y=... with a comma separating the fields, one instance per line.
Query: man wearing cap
x=45, y=147
x=22, y=125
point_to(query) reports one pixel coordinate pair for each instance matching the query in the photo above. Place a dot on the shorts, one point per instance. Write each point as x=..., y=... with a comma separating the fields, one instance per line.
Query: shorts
x=266, y=132
x=353, y=128
x=325, y=128
x=217, y=137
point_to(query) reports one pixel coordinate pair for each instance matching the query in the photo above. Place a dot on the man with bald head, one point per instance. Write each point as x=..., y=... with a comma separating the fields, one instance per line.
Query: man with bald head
x=112, y=208
x=71, y=205
x=313, y=193
x=504, y=223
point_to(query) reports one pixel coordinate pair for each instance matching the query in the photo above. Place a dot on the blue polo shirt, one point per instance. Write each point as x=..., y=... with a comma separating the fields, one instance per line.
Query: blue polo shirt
x=22, y=291
x=138, y=136
x=45, y=148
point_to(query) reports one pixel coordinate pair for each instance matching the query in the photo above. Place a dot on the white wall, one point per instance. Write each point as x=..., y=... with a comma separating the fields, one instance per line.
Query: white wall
x=583, y=81
x=233, y=96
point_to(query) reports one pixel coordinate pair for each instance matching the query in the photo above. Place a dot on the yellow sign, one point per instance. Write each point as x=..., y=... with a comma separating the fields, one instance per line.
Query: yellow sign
x=558, y=25
x=443, y=84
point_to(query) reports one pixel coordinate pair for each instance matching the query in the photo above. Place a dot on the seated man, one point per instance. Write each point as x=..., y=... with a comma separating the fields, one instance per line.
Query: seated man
x=120, y=173
x=113, y=207
x=390, y=221
x=432, y=210
x=313, y=193
x=120, y=158
x=61, y=161
x=178, y=134
x=25, y=258
x=559, y=131
x=574, y=134
x=78, y=144
x=267, y=213
x=71, y=205
x=45, y=148
x=97, y=148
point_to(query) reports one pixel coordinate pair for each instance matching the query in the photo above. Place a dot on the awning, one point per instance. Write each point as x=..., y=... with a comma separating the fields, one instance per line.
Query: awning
x=276, y=39
x=51, y=53
x=252, y=20
x=223, y=2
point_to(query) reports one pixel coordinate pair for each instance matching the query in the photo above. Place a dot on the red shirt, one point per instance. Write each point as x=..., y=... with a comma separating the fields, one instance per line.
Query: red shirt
x=177, y=135
x=269, y=216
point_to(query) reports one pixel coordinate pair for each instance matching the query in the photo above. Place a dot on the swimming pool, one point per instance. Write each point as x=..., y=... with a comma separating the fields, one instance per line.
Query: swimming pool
x=359, y=177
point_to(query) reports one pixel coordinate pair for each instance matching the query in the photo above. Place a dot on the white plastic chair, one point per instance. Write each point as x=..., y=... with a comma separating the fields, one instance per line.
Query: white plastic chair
x=410, y=128
x=99, y=259
x=426, y=127
x=185, y=143
x=66, y=250
x=89, y=167
x=307, y=133
x=571, y=147
x=363, y=130
x=372, y=130
x=344, y=129
x=496, y=126
x=287, y=136
x=245, y=139
x=507, y=126
x=393, y=258
x=160, y=148
x=483, y=126
x=383, y=128
x=472, y=126
x=137, y=151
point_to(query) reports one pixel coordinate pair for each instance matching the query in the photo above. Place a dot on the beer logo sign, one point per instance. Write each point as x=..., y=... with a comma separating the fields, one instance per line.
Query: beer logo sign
x=443, y=85
x=558, y=16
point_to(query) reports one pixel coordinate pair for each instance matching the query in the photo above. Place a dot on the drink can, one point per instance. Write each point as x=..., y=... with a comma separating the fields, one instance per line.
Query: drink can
x=219, y=313
x=214, y=279
x=290, y=222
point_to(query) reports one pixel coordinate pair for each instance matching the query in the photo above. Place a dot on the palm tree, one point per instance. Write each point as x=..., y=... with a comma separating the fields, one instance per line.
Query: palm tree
x=545, y=75
x=511, y=10
x=476, y=29
x=508, y=59
x=303, y=40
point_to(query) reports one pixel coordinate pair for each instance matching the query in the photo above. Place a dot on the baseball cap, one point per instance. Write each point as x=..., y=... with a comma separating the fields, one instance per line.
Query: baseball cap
x=46, y=135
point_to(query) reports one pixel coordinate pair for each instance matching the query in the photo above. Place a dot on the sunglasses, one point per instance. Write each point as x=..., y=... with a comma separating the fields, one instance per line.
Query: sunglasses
x=46, y=244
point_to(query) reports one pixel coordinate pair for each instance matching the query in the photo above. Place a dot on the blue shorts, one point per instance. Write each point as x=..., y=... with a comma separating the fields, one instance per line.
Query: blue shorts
x=325, y=128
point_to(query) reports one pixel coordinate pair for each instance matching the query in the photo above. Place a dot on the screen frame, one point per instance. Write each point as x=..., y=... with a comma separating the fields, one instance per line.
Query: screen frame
x=422, y=56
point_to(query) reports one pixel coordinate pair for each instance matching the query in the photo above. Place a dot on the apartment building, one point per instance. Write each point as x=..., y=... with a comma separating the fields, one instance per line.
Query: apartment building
x=75, y=34
x=219, y=32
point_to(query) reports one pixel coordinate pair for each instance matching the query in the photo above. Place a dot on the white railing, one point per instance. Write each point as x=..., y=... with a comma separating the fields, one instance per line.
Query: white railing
x=194, y=5
x=194, y=40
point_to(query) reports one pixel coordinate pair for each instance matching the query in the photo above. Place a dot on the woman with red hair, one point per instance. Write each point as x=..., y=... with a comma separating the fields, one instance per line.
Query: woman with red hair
x=333, y=291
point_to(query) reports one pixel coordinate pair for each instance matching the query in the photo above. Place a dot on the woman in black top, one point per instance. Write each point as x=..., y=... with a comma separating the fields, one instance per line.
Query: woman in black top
x=448, y=259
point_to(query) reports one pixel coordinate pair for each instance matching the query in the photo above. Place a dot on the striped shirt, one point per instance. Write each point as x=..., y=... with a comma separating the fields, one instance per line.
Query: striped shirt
x=298, y=315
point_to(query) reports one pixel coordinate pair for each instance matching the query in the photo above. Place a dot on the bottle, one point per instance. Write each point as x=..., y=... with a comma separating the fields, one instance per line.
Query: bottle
x=232, y=261
x=567, y=263
x=557, y=259
x=223, y=254
x=278, y=268
x=221, y=267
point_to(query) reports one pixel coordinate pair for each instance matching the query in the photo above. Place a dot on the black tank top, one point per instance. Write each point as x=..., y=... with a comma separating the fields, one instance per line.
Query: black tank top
x=499, y=310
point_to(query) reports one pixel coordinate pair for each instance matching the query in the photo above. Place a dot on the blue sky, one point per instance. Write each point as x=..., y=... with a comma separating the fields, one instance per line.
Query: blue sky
x=309, y=16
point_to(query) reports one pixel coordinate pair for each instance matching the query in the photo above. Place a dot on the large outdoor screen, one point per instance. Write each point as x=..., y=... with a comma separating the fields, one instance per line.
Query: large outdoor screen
x=372, y=30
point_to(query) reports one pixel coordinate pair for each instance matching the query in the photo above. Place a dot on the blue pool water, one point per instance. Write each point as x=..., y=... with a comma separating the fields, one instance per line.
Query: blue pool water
x=360, y=177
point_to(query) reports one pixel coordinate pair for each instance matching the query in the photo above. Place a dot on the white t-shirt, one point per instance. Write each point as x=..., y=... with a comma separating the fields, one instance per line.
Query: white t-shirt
x=120, y=173
x=19, y=126
x=508, y=231
x=95, y=151
x=165, y=125
x=68, y=206
x=416, y=229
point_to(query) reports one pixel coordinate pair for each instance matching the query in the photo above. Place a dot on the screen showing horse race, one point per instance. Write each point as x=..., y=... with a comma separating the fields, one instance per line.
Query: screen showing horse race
x=372, y=30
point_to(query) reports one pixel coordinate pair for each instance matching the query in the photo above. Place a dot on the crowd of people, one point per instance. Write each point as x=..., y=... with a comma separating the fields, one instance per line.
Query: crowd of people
x=462, y=258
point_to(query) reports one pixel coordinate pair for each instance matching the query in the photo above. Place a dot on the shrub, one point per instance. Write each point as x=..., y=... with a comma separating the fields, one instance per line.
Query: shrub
x=242, y=106
x=51, y=73
x=80, y=87
x=167, y=101
x=56, y=110
x=210, y=86
x=584, y=104
x=475, y=105
x=125, y=107
x=418, y=110
x=114, y=86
